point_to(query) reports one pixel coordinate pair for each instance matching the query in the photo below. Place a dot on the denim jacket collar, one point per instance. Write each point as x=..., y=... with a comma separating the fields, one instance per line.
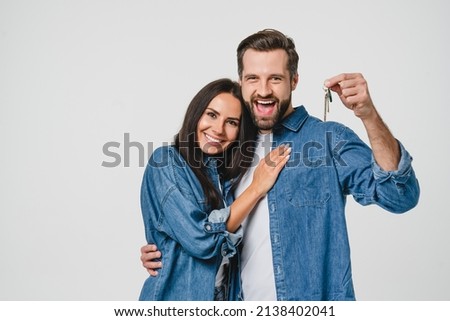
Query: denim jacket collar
x=295, y=120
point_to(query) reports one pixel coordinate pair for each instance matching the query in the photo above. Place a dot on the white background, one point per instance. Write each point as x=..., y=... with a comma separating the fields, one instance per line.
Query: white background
x=75, y=75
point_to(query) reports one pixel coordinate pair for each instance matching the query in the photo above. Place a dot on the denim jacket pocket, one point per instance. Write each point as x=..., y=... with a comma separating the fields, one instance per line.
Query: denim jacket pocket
x=308, y=187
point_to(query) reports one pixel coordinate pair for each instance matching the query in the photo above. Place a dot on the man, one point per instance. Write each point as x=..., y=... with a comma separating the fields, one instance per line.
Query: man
x=301, y=221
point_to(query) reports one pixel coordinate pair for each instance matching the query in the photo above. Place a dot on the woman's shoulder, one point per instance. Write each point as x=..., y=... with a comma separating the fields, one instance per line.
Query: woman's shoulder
x=165, y=155
x=166, y=168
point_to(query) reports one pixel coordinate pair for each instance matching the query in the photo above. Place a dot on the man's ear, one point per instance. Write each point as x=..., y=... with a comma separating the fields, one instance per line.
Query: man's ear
x=294, y=81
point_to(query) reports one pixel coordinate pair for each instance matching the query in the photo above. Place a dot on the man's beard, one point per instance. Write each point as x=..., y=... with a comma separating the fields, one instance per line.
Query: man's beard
x=267, y=123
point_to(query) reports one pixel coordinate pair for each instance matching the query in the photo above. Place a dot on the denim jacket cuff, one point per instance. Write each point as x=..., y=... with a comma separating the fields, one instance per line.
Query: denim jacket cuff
x=232, y=241
x=217, y=224
x=403, y=172
x=219, y=216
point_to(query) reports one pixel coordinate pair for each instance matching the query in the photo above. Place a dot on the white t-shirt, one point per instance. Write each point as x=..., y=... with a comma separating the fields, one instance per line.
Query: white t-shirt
x=258, y=283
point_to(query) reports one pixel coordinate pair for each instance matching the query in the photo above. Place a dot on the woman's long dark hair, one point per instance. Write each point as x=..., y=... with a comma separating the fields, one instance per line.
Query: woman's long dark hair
x=237, y=157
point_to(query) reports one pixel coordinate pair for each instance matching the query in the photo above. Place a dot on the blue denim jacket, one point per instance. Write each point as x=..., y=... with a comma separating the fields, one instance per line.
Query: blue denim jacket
x=310, y=246
x=192, y=237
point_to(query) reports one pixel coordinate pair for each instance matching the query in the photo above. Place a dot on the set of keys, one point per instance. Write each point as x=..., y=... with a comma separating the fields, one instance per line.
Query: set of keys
x=327, y=102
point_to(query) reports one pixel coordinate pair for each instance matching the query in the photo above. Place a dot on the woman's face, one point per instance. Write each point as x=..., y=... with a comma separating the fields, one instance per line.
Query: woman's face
x=219, y=125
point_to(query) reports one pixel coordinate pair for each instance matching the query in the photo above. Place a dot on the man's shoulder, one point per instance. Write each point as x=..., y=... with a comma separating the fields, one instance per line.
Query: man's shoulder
x=314, y=124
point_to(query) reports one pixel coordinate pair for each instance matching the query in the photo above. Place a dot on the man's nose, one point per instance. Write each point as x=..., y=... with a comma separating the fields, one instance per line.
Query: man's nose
x=264, y=89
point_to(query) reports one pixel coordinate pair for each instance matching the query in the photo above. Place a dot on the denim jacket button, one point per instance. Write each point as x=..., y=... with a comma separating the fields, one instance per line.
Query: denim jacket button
x=208, y=227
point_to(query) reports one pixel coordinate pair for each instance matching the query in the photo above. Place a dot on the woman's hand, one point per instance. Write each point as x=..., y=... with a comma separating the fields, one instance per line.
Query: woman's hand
x=268, y=169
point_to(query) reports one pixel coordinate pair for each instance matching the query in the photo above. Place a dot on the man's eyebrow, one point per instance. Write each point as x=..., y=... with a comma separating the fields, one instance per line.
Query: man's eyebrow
x=270, y=76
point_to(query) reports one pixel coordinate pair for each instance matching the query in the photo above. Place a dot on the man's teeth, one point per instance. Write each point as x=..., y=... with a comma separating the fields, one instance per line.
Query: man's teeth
x=265, y=102
x=212, y=139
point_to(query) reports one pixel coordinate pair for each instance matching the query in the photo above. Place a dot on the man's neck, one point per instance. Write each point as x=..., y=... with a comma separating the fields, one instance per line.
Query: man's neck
x=264, y=131
x=289, y=111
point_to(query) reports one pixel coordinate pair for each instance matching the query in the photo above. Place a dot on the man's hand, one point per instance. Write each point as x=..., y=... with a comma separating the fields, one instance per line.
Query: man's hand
x=354, y=93
x=149, y=255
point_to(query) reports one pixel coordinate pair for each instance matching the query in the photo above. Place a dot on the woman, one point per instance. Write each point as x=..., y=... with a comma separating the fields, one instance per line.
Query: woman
x=186, y=195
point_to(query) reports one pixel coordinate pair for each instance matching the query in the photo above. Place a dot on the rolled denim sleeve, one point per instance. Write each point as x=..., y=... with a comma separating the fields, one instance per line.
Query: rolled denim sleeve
x=406, y=194
x=403, y=172
x=395, y=191
x=216, y=223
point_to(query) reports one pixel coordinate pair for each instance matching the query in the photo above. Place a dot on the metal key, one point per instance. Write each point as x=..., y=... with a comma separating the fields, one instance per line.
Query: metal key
x=327, y=101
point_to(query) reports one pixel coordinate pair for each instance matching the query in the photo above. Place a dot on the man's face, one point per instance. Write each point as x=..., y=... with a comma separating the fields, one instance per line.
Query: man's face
x=267, y=86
